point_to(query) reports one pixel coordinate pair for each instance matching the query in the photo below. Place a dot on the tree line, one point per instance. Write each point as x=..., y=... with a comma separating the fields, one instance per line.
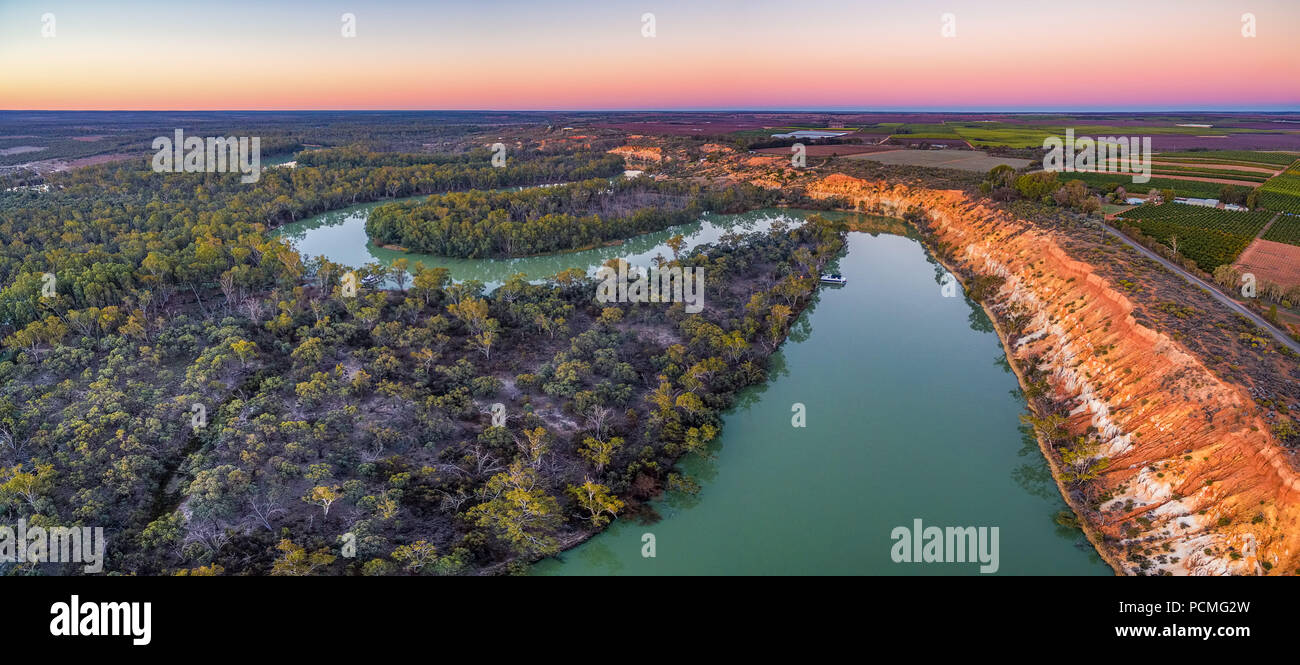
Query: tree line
x=481, y=224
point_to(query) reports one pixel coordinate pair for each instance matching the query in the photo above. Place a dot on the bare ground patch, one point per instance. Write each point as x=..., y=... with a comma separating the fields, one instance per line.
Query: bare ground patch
x=1272, y=261
x=966, y=160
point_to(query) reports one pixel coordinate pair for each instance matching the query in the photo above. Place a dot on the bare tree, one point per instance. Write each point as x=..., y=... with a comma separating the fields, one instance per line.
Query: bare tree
x=254, y=306
x=597, y=417
x=263, y=509
x=12, y=442
x=484, y=462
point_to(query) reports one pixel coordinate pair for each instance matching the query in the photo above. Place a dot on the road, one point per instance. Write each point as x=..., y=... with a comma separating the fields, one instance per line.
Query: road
x=1214, y=292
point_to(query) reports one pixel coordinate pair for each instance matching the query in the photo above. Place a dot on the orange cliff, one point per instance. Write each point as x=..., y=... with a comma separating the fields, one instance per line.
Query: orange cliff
x=1196, y=483
x=643, y=153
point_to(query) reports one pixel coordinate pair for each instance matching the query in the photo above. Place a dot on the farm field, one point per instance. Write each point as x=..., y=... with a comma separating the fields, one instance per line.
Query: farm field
x=1191, y=171
x=1272, y=261
x=828, y=150
x=1285, y=230
x=1209, y=236
x=1265, y=170
x=1238, y=142
x=1282, y=192
x=966, y=160
x=1249, y=183
x=1181, y=187
x=1016, y=135
x=1165, y=135
x=1240, y=157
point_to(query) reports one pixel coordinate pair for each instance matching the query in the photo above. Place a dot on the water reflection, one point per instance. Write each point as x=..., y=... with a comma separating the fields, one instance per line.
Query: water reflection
x=341, y=237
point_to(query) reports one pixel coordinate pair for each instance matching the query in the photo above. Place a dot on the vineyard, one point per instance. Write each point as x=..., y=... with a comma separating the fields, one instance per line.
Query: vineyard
x=1282, y=192
x=1187, y=172
x=1208, y=236
x=1286, y=229
x=1237, y=157
x=1187, y=188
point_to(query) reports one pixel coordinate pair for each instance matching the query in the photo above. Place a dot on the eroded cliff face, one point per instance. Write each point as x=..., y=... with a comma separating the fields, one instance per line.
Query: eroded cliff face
x=642, y=153
x=1196, y=483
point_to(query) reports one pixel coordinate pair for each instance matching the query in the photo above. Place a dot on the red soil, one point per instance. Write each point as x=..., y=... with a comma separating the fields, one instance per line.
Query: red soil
x=829, y=150
x=1275, y=262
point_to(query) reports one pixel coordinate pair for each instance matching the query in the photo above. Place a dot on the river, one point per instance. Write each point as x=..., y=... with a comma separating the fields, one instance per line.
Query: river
x=911, y=413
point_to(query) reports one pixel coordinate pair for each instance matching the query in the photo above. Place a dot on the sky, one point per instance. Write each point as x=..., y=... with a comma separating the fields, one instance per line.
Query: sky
x=704, y=54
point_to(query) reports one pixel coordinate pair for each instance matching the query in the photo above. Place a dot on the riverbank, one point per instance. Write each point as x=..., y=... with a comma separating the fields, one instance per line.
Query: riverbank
x=881, y=433
x=823, y=500
x=1185, y=477
x=1050, y=457
x=1044, y=445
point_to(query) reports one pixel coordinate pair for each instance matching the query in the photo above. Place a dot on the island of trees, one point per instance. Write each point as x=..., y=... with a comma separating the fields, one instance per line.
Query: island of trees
x=567, y=217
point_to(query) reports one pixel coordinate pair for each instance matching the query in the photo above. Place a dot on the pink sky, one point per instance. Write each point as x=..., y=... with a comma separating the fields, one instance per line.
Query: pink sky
x=726, y=54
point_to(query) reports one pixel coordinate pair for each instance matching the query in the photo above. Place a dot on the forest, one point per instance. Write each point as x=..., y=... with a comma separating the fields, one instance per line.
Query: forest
x=479, y=224
x=120, y=230
x=222, y=405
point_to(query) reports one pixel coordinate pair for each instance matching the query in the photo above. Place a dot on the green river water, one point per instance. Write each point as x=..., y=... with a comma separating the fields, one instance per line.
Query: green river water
x=911, y=413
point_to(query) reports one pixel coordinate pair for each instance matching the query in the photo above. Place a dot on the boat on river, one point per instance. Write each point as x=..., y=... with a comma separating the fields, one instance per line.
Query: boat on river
x=833, y=278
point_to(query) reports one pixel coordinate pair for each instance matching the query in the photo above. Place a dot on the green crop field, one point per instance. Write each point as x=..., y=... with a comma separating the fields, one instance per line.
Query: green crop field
x=1239, y=223
x=926, y=131
x=1188, y=188
x=1286, y=229
x=1198, y=172
x=1208, y=236
x=1014, y=136
x=1238, y=157
x=882, y=128
x=1282, y=192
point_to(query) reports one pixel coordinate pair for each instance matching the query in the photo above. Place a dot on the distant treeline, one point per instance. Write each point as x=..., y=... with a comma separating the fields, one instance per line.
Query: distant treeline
x=356, y=155
x=584, y=214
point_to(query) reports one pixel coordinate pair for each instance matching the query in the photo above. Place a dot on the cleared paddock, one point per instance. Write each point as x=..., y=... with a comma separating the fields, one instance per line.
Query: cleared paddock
x=965, y=160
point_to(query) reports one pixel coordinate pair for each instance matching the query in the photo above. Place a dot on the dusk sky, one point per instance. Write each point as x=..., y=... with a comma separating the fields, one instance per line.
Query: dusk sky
x=1007, y=54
